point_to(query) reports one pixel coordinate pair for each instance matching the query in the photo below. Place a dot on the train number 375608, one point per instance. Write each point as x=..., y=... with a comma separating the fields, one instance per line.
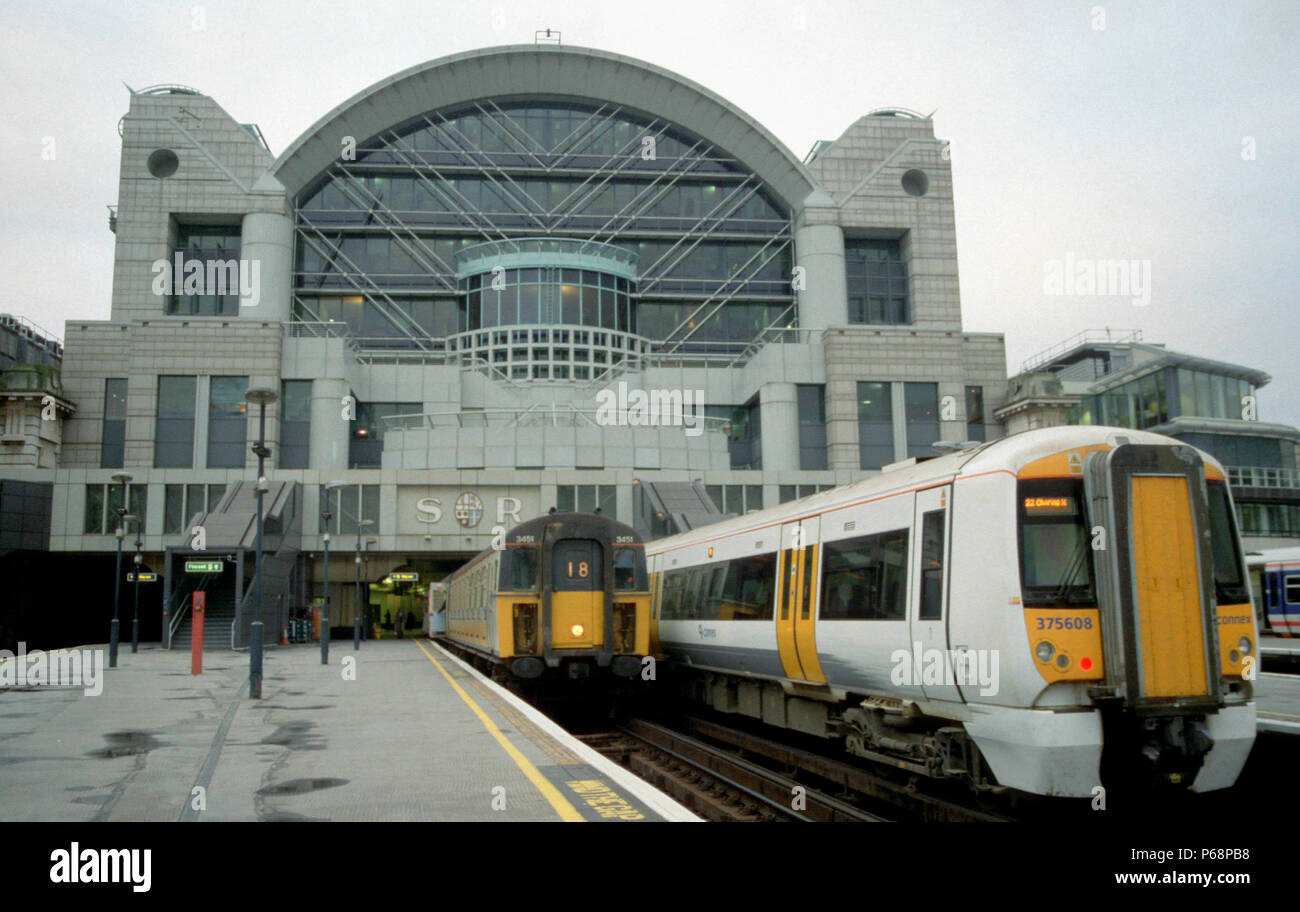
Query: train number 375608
x=1065, y=623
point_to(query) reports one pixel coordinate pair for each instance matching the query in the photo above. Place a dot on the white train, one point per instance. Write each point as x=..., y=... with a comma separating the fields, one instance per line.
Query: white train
x=998, y=615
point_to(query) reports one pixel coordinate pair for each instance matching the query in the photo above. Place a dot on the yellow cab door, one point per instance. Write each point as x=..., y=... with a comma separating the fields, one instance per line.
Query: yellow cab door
x=797, y=587
x=1168, y=594
x=577, y=594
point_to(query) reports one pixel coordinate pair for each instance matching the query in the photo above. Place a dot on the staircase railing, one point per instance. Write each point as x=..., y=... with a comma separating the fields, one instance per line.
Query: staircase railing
x=177, y=618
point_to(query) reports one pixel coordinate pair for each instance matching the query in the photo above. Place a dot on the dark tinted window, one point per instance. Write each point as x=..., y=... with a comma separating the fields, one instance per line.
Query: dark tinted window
x=932, y=566
x=519, y=565
x=864, y=578
x=1055, y=548
x=1228, y=582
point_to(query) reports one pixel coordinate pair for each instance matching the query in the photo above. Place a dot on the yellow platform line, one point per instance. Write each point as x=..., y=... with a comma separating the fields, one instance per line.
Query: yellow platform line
x=562, y=807
x=1264, y=712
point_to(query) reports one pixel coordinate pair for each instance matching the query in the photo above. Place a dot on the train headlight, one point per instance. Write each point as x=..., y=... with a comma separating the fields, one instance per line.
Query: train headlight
x=1244, y=645
x=1044, y=651
x=576, y=630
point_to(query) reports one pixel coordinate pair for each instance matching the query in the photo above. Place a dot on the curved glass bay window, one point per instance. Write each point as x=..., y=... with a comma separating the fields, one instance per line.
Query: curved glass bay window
x=658, y=239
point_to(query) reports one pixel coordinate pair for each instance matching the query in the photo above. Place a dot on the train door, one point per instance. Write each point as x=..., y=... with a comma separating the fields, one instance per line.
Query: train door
x=436, y=620
x=931, y=664
x=797, y=572
x=577, y=594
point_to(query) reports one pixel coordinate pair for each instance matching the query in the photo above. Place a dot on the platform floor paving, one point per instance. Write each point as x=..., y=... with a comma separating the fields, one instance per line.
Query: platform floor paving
x=1277, y=703
x=412, y=734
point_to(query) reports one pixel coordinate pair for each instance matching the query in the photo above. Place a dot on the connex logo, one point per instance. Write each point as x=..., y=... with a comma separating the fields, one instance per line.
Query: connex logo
x=95, y=866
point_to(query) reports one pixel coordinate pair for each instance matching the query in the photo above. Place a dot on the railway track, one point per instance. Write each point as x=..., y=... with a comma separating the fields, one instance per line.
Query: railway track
x=728, y=775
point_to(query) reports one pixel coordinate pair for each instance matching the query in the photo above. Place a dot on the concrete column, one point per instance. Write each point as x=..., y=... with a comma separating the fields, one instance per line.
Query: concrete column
x=778, y=415
x=266, y=247
x=329, y=429
x=823, y=301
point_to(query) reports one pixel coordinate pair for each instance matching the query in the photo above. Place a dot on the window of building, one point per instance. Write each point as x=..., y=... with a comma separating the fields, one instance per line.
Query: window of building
x=787, y=493
x=345, y=509
x=875, y=425
x=736, y=499
x=922, y=406
x=865, y=578
x=212, y=287
x=295, y=424
x=112, y=450
x=366, y=448
x=182, y=502
x=812, y=426
x=876, y=279
x=174, y=429
x=587, y=499
x=227, y=422
x=103, y=501
x=975, y=429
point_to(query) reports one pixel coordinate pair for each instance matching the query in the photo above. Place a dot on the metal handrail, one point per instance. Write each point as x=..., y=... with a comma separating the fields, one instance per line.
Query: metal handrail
x=177, y=618
x=1115, y=336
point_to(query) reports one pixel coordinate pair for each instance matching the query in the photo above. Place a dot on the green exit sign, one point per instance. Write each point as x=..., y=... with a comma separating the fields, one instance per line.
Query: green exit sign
x=203, y=566
x=144, y=577
x=404, y=577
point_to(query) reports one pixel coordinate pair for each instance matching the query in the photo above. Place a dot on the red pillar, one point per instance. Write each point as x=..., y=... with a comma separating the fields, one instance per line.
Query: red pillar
x=196, y=638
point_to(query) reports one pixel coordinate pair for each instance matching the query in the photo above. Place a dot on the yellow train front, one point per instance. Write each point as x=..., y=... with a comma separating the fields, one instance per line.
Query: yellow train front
x=565, y=595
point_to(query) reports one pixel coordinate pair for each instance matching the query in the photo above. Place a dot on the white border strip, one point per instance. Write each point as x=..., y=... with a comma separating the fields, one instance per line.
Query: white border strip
x=646, y=793
x=1278, y=727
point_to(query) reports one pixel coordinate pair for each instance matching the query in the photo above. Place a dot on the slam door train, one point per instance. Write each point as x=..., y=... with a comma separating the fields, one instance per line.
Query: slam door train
x=565, y=591
x=998, y=615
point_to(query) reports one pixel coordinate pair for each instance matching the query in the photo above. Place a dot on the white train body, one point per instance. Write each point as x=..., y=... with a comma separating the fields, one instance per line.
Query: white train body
x=902, y=616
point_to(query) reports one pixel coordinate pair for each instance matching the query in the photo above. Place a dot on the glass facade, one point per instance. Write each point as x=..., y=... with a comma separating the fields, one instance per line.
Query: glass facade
x=875, y=425
x=975, y=426
x=1280, y=520
x=1245, y=450
x=350, y=503
x=295, y=424
x=876, y=277
x=103, y=501
x=736, y=498
x=217, y=248
x=182, y=502
x=922, y=404
x=587, y=499
x=812, y=426
x=702, y=227
x=366, y=447
x=112, y=451
x=173, y=446
x=1165, y=394
x=227, y=422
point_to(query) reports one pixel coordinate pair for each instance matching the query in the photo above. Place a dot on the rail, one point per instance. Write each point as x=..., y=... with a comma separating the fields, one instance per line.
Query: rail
x=1098, y=336
x=177, y=618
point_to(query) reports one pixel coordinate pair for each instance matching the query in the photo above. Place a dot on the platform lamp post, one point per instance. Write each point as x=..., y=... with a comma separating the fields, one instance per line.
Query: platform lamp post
x=135, y=621
x=124, y=479
x=362, y=525
x=261, y=397
x=325, y=602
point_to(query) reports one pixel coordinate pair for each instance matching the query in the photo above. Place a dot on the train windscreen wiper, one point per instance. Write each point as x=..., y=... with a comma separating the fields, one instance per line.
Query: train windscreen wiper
x=1062, y=592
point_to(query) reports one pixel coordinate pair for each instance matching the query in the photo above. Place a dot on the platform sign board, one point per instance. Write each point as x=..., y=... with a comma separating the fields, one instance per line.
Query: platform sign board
x=404, y=577
x=198, y=566
x=144, y=577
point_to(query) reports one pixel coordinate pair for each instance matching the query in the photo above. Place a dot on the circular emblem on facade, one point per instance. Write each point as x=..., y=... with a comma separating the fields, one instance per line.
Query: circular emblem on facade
x=469, y=509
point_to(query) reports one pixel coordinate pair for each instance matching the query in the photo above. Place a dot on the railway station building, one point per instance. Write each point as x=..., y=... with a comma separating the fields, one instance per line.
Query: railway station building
x=503, y=281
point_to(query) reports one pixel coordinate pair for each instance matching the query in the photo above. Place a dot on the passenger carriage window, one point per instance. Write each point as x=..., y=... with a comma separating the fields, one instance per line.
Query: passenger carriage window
x=1293, y=589
x=1055, y=547
x=931, y=566
x=519, y=566
x=865, y=578
x=629, y=569
x=741, y=589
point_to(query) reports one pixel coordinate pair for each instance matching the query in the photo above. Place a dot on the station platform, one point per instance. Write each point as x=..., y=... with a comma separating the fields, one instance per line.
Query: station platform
x=415, y=734
x=1270, y=645
x=1277, y=703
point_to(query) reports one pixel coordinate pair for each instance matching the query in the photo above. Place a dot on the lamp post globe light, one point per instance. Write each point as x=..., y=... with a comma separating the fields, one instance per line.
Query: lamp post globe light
x=325, y=602
x=135, y=621
x=362, y=525
x=124, y=479
x=261, y=397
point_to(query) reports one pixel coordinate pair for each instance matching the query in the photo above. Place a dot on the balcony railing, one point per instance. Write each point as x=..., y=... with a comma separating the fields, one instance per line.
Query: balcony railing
x=1263, y=477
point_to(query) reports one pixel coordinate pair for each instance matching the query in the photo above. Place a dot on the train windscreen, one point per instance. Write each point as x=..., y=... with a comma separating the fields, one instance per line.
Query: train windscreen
x=1055, y=552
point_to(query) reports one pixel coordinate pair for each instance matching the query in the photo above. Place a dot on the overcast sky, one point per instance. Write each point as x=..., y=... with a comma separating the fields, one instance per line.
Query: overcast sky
x=1098, y=130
